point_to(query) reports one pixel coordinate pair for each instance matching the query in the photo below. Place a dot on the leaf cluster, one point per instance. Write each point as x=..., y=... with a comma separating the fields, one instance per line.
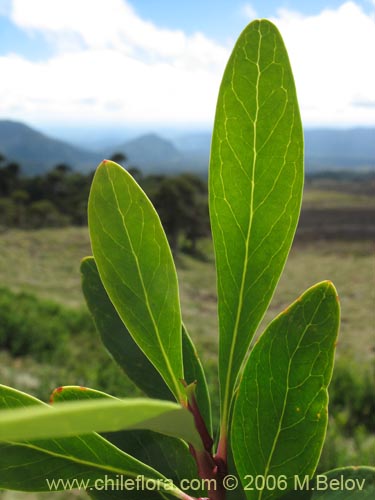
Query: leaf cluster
x=273, y=393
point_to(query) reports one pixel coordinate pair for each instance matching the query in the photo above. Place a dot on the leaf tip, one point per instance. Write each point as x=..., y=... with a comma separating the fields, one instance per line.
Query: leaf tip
x=54, y=392
x=86, y=261
x=330, y=285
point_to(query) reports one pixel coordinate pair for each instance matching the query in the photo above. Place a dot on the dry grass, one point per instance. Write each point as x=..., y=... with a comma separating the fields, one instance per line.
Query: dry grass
x=46, y=262
x=350, y=265
x=331, y=198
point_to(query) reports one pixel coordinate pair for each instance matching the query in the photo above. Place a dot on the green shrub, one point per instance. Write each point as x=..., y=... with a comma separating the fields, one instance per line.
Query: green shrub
x=58, y=338
x=352, y=396
x=341, y=448
x=30, y=326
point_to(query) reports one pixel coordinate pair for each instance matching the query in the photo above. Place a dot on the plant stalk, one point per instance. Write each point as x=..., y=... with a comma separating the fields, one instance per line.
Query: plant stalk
x=210, y=467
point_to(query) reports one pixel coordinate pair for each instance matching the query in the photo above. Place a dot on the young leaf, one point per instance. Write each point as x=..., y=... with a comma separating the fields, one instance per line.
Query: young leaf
x=125, y=350
x=136, y=268
x=32, y=465
x=256, y=178
x=171, y=457
x=347, y=483
x=280, y=414
x=100, y=415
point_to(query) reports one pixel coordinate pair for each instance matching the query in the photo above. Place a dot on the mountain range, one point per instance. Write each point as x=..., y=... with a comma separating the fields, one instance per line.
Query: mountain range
x=36, y=152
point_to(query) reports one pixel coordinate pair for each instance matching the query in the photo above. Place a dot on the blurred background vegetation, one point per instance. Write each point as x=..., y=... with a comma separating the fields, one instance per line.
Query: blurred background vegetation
x=47, y=337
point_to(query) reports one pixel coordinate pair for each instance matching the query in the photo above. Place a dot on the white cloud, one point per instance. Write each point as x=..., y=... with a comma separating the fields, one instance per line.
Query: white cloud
x=113, y=24
x=103, y=84
x=332, y=59
x=249, y=12
x=127, y=68
x=112, y=65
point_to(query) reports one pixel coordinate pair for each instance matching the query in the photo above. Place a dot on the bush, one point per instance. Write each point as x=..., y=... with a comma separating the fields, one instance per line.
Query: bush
x=43, y=213
x=341, y=449
x=58, y=338
x=351, y=429
x=30, y=326
x=352, y=396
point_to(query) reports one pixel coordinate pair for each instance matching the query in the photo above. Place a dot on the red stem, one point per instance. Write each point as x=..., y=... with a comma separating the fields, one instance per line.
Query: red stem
x=213, y=468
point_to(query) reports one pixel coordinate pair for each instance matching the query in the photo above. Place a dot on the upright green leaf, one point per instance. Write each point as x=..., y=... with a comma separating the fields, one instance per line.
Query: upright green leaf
x=99, y=415
x=125, y=350
x=256, y=178
x=281, y=411
x=137, y=270
x=34, y=465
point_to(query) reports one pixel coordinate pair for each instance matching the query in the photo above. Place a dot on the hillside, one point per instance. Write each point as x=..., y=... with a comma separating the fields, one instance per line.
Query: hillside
x=328, y=149
x=150, y=152
x=37, y=153
x=325, y=149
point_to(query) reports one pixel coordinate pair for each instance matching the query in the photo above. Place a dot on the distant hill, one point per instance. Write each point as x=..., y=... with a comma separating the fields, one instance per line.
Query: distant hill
x=330, y=149
x=325, y=149
x=37, y=153
x=150, y=152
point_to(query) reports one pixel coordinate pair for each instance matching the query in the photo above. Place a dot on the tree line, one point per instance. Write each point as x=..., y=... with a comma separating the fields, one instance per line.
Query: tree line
x=59, y=198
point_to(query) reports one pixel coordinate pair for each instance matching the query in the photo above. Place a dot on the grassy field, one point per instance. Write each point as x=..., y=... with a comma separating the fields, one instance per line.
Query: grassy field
x=46, y=262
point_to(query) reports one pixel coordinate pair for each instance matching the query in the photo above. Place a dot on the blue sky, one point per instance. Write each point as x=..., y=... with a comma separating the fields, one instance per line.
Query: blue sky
x=222, y=19
x=161, y=61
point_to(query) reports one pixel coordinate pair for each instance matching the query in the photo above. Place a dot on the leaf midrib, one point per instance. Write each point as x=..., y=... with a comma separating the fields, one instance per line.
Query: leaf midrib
x=226, y=403
x=94, y=465
x=177, y=391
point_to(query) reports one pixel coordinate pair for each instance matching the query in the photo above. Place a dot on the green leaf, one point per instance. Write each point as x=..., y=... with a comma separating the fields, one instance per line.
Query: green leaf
x=347, y=483
x=281, y=411
x=116, y=336
x=28, y=466
x=256, y=178
x=169, y=456
x=74, y=418
x=125, y=350
x=130, y=495
x=136, y=268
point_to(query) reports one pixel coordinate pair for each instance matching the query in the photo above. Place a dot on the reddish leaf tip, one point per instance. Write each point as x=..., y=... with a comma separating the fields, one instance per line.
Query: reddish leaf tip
x=54, y=392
